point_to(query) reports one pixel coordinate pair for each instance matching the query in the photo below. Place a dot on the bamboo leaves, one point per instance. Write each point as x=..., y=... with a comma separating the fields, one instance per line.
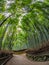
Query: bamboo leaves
x=28, y=27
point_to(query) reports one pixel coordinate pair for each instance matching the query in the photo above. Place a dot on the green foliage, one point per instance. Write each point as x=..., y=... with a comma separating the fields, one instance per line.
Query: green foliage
x=2, y=5
x=28, y=25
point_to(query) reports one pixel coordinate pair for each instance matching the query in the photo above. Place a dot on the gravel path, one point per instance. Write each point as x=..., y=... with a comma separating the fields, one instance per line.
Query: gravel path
x=22, y=60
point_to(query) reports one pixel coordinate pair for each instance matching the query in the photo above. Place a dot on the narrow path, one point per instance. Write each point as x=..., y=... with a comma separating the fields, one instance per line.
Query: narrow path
x=22, y=60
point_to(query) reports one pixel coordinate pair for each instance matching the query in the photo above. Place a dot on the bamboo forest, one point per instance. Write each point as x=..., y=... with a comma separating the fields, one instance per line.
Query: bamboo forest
x=24, y=32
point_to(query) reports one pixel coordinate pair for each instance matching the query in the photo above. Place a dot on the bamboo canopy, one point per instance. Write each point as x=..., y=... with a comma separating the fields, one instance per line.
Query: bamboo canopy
x=27, y=28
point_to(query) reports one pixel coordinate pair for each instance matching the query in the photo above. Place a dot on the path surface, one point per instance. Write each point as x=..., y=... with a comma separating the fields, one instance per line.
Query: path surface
x=22, y=60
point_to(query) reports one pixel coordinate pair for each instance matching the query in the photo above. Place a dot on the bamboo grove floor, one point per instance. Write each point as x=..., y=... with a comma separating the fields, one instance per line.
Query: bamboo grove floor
x=22, y=60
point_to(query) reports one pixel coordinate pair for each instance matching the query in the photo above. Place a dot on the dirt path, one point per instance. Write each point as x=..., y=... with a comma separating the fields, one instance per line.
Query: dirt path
x=22, y=60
